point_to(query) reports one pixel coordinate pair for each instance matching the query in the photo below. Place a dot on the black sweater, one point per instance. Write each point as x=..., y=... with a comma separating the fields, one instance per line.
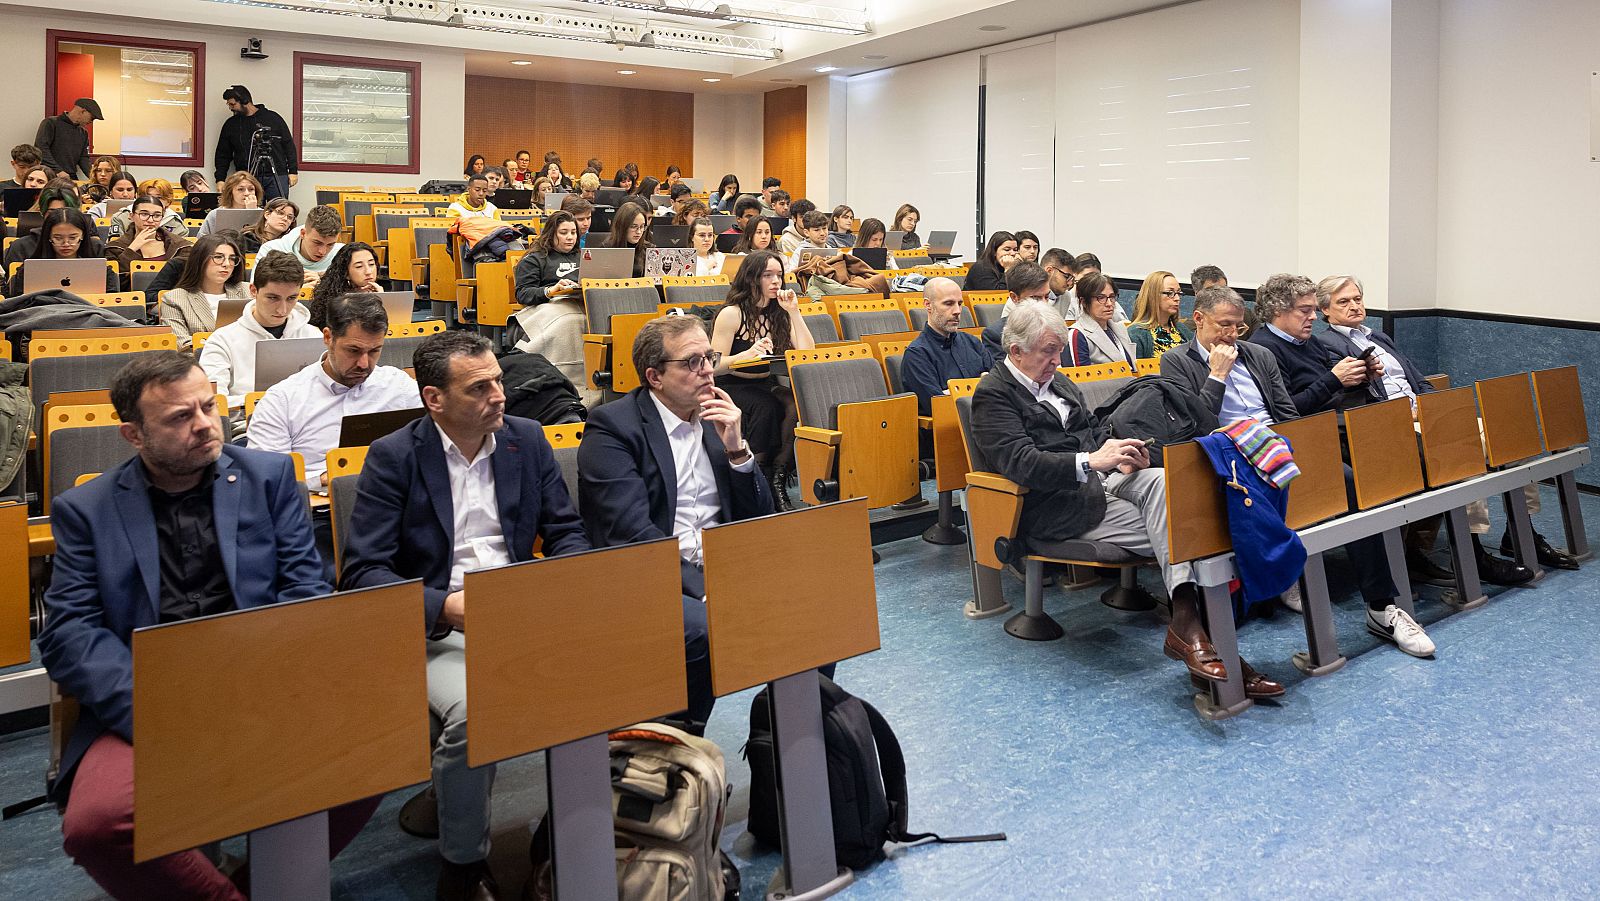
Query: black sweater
x=536, y=273
x=233, y=144
x=1308, y=371
x=984, y=277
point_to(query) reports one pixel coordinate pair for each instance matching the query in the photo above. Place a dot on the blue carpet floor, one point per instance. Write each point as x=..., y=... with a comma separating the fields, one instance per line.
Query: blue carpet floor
x=1466, y=776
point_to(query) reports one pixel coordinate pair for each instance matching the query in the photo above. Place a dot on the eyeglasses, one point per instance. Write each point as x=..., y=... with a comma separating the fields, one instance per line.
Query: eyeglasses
x=699, y=361
x=150, y=215
x=66, y=240
x=1171, y=293
x=1105, y=298
x=225, y=259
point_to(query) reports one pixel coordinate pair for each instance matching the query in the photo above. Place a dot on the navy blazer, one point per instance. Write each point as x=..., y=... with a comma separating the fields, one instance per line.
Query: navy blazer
x=628, y=484
x=107, y=578
x=403, y=525
x=1340, y=343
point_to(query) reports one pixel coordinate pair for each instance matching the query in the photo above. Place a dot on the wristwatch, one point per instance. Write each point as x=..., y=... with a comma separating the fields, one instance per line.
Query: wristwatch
x=739, y=454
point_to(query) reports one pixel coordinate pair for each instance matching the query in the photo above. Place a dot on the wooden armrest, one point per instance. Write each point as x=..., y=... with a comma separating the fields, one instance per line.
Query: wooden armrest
x=466, y=283
x=925, y=422
x=994, y=482
x=821, y=436
x=597, y=339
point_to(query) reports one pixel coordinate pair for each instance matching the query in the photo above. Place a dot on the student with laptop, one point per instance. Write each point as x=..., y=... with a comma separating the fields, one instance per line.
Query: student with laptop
x=905, y=220
x=813, y=239
x=354, y=270
x=313, y=244
x=628, y=231
x=475, y=201
x=147, y=240
x=707, y=258
x=551, y=316
x=66, y=234
x=841, y=232
x=213, y=273
x=121, y=186
x=304, y=412
x=793, y=236
x=240, y=192
x=272, y=313
x=870, y=238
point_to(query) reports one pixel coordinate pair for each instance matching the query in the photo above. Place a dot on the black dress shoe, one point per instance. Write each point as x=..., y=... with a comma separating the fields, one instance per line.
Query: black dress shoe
x=420, y=815
x=1498, y=571
x=1549, y=557
x=1423, y=569
x=466, y=882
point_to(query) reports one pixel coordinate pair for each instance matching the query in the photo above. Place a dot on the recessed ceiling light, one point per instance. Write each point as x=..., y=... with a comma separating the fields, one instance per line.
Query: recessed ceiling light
x=626, y=72
x=874, y=56
x=710, y=80
x=522, y=62
x=991, y=28
x=825, y=69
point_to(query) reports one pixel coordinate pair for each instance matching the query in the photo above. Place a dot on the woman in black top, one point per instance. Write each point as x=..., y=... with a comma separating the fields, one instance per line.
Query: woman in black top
x=989, y=273
x=559, y=182
x=66, y=234
x=647, y=187
x=624, y=180
x=761, y=318
x=475, y=165
x=628, y=229
x=674, y=176
x=757, y=235
x=549, y=271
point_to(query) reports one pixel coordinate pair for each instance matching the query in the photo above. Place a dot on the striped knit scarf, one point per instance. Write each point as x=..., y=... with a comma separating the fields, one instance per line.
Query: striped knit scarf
x=1266, y=450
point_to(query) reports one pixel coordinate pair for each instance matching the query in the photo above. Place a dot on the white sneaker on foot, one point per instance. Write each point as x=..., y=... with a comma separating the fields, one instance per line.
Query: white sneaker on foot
x=1397, y=626
x=1291, y=599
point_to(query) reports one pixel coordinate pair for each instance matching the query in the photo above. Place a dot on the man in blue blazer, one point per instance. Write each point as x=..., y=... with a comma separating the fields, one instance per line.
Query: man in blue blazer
x=669, y=458
x=189, y=527
x=464, y=487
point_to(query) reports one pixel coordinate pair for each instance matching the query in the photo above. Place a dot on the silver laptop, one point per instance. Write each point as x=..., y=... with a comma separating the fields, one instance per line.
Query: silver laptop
x=893, y=241
x=941, y=243
x=80, y=276
x=552, y=202
x=223, y=219
x=114, y=207
x=697, y=185
x=606, y=262
x=399, y=305
x=279, y=358
x=228, y=312
x=659, y=261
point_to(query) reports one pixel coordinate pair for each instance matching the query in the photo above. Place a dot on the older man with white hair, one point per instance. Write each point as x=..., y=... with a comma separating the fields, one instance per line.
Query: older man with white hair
x=1035, y=428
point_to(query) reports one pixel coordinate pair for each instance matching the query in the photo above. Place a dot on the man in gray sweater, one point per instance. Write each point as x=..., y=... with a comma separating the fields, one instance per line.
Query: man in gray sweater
x=63, y=140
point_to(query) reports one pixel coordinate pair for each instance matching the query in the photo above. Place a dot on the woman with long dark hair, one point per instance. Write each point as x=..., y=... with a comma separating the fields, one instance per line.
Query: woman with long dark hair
x=989, y=272
x=354, y=268
x=727, y=193
x=147, y=239
x=630, y=228
x=475, y=165
x=624, y=180
x=905, y=220
x=546, y=280
x=66, y=234
x=760, y=318
x=278, y=218
x=756, y=235
x=214, y=272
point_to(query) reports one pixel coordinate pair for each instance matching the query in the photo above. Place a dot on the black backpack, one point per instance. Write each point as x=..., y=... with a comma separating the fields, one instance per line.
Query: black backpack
x=536, y=389
x=866, y=779
x=1155, y=406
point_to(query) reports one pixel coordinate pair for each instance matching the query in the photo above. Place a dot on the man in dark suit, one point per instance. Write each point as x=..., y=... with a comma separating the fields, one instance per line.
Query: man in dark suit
x=464, y=487
x=1242, y=380
x=189, y=527
x=1035, y=428
x=1318, y=377
x=1341, y=300
x=668, y=458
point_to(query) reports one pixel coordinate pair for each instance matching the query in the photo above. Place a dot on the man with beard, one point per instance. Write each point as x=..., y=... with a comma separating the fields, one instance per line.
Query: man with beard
x=253, y=121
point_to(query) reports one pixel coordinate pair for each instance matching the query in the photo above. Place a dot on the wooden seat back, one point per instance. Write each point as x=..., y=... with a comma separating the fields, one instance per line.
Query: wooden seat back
x=1383, y=452
x=1452, y=448
x=1510, y=427
x=1560, y=400
x=1318, y=493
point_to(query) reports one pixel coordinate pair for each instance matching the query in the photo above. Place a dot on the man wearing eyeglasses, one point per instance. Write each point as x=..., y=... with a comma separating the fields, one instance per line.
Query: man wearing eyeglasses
x=670, y=458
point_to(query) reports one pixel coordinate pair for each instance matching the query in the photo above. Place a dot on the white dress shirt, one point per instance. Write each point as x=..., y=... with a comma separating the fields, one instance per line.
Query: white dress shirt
x=478, y=541
x=303, y=412
x=710, y=264
x=1395, y=383
x=1054, y=401
x=698, y=504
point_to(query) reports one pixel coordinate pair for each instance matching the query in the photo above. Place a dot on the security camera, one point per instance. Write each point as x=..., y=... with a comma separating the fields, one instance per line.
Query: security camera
x=251, y=49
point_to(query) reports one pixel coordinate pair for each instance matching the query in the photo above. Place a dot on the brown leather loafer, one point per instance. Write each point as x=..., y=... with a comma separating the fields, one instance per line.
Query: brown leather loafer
x=1256, y=686
x=1200, y=658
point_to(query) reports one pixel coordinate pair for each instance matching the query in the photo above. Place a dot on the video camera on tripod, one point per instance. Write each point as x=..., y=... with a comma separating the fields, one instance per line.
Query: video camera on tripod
x=265, y=149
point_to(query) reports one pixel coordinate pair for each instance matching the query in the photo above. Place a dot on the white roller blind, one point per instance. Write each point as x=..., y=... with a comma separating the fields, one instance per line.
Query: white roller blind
x=1019, y=173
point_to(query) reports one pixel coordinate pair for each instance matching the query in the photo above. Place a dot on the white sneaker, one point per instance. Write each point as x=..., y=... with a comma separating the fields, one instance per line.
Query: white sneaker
x=1397, y=626
x=1291, y=599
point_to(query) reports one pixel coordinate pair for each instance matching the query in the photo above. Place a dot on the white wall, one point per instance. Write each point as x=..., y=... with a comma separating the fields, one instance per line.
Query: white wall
x=827, y=141
x=1177, y=139
x=728, y=138
x=913, y=138
x=270, y=80
x=1020, y=141
x=1517, y=192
